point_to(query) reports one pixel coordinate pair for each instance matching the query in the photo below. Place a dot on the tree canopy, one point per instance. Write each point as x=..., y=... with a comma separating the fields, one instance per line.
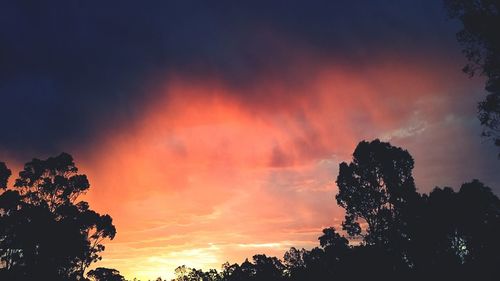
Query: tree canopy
x=46, y=233
x=376, y=187
x=105, y=274
x=480, y=38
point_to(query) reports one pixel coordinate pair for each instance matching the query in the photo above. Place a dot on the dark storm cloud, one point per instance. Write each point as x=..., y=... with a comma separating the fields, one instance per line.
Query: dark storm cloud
x=71, y=68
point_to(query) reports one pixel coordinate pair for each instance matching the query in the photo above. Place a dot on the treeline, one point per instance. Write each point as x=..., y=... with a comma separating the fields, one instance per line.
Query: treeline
x=398, y=234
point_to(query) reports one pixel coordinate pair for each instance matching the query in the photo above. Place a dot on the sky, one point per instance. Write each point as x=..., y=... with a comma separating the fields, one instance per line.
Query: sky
x=212, y=131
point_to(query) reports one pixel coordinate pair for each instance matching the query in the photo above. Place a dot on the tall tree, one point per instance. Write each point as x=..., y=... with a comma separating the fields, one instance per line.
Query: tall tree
x=47, y=233
x=375, y=188
x=480, y=38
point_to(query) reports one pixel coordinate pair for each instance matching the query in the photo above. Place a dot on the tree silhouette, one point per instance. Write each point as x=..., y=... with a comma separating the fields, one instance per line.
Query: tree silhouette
x=5, y=173
x=184, y=273
x=333, y=241
x=375, y=188
x=105, y=274
x=268, y=268
x=480, y=38
x=46, y=233
x=295, y=265
x=262, y=267
x=461, y=232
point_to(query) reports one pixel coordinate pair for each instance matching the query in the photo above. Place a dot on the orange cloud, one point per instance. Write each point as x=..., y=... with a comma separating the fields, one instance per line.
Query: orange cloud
x=213, y=172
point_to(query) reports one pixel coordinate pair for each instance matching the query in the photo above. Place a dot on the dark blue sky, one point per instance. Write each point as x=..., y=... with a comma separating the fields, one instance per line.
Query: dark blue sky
x=71, y=68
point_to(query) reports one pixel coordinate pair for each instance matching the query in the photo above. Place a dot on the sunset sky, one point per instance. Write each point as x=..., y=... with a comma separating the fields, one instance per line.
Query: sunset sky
x=213, y=130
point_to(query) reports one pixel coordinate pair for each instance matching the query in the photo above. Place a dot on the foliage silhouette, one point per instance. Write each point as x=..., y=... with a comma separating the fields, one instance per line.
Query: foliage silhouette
x=376, y=187
x=184, y=273
x=46, y=233
x=105, y=274
x=480, y=38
